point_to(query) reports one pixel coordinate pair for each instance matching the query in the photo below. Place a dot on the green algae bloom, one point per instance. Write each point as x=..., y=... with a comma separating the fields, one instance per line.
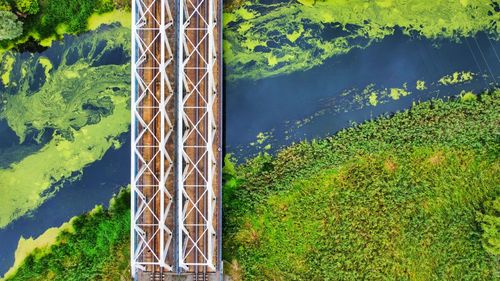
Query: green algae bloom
x=263, y=40
x=262, y=137
x=6, y=69
x=373, y=99
x=421, y=85
x=47, y=65
x=457, y=78
x=396, y=93
x=80, y=99
x=122, y=16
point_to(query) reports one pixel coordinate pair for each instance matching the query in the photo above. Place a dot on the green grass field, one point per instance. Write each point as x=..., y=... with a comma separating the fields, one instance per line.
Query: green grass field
x=399, y=198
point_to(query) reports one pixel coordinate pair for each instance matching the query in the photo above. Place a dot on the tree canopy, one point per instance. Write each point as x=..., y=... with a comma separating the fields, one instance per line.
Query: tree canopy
x=30, y=7
x=10, y=26
x=4, y=5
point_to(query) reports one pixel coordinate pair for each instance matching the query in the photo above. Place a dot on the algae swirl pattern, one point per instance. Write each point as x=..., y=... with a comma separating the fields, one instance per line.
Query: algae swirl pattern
x=265, y=39
x=73, y=98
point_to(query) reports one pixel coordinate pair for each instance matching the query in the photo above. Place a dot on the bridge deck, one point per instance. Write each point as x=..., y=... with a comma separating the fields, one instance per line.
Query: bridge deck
x=176, y=121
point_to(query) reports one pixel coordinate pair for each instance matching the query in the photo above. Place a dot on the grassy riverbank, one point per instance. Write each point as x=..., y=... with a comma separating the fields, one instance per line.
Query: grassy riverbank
x=96, y=247
x=406, y=197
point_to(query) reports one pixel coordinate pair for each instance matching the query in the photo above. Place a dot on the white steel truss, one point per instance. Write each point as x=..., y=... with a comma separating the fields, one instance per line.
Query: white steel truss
x=152, y=131
x=197, y=100
x=176, y=151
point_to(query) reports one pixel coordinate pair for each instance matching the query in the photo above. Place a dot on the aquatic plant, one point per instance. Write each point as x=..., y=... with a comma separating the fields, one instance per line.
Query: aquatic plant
x=456, y=78
x=399, y=197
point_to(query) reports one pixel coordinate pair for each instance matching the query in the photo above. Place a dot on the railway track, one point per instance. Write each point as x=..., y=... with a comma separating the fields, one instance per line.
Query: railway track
x=176, y=148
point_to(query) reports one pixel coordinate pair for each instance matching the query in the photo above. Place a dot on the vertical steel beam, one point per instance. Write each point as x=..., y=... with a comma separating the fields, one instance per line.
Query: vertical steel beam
x=163, y=117
x=179, y=133
x=133, y=133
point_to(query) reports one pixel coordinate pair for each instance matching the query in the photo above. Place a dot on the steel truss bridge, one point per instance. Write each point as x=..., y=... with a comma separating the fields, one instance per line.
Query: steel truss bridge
x=176, y=140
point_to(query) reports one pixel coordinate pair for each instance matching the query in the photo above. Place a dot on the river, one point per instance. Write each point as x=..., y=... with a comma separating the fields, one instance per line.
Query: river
x=275, y=105
x=279, y=106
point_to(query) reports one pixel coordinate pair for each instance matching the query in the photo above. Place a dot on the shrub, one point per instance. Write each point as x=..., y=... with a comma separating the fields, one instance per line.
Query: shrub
x=490, y=224
x=4, y=5
x=96, y=249
x=29, y=7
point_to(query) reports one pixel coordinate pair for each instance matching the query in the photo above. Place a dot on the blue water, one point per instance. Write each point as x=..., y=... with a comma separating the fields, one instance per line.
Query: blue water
x=97, y=185
x=11, y=150
x=9, y=137
x=266, y=105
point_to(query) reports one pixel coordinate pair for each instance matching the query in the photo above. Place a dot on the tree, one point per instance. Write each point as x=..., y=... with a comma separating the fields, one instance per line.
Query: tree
x=4, y=5
x=10, y=27
x=29, y=7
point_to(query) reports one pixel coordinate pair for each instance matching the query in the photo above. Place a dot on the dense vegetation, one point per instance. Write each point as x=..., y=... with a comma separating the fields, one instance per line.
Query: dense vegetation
x=414, y=196
x=44, y=19
x=96, y=249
